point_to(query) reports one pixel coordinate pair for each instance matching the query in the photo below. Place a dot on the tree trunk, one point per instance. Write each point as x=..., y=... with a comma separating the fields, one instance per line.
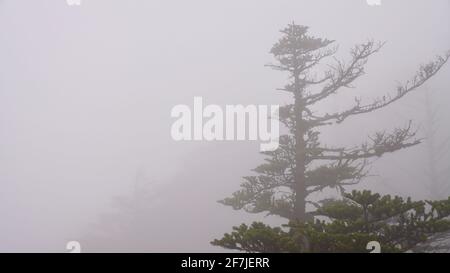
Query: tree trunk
x=300, y=145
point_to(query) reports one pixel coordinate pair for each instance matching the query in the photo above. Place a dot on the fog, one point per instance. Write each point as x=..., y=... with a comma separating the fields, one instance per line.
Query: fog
x=86, y=94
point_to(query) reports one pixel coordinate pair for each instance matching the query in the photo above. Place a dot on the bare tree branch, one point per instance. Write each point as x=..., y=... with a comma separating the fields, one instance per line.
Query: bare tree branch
x=424, y=74
x=381, y=143
x=342, y=75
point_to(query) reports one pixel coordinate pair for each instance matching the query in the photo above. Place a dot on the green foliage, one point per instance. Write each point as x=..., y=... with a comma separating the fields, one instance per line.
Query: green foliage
x=255, y=238
x=347, y=225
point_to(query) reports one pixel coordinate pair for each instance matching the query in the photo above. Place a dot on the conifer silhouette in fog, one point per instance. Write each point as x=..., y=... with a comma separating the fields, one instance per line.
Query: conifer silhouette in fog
x=302, y=164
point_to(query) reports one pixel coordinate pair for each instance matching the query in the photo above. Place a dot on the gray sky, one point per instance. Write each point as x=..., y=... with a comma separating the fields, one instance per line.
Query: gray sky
x=86, y=94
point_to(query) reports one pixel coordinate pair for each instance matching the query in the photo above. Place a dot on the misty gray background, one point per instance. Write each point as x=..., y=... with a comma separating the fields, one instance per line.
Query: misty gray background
x=86, y=93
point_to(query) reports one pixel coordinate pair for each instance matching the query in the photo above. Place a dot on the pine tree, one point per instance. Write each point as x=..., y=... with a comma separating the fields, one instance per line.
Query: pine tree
x=302, y=165
x=360, y=217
